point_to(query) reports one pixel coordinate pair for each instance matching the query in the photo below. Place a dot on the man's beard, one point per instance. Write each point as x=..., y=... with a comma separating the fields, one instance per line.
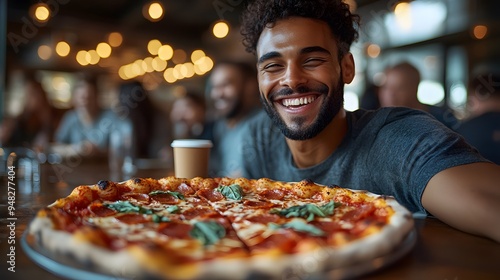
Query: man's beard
x=331, y=105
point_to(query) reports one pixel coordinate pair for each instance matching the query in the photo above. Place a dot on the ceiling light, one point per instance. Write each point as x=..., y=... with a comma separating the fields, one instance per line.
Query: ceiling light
x=41, y=12
x=62, y=49
x=153, y=46
x=168, y=75
x=153, y=11
x=103, y=50
x=480, y=31
x=373, y=50
x=221, y=29
x=165, y=52
x=159, y=64
x=197, y=54
x=81, y=58
x=92, y=57
x=115, y=39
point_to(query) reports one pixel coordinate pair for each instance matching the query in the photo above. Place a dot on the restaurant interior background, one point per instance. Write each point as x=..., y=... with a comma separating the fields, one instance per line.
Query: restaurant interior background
x=171, y=46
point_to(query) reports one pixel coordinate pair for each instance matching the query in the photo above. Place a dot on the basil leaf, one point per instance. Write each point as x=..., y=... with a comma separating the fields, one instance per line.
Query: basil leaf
x=306, y=211
x=208, y=232
x=173, y=209
x=127, y=207
x=177, y=195
x=159, y=219
x=300, y=226
x=233, y=192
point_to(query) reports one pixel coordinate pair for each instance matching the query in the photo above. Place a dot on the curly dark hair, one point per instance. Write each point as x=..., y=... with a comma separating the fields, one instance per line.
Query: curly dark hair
x=265, y=13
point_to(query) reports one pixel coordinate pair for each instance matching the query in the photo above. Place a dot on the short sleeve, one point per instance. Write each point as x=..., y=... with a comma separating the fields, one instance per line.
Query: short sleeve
x=410, y=149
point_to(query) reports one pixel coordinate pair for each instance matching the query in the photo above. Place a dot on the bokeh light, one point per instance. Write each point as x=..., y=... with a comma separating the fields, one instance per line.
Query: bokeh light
x=62, y=49
x=44, y=52
x=41, y=12
x=221, y=29
x=115, y=39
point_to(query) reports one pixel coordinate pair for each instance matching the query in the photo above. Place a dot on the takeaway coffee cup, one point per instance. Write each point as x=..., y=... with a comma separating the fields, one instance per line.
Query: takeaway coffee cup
x=191, y=157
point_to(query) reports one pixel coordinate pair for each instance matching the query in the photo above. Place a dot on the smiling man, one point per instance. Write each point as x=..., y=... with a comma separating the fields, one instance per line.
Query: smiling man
x=303, y=62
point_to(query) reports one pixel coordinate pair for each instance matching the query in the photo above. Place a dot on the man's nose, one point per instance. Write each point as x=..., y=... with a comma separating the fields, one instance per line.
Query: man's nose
x=293, y=77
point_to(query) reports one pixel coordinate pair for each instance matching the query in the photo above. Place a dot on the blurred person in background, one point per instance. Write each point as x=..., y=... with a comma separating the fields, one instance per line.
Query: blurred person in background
x=233, y=93
x=400, y=90
x=188, y=117
x=34, y=127
x=84, y=130
x=369, y=99
x=147, y=122
x=482, y=128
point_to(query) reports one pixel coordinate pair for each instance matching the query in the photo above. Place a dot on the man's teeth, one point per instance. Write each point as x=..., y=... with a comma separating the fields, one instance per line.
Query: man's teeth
x=298, y=101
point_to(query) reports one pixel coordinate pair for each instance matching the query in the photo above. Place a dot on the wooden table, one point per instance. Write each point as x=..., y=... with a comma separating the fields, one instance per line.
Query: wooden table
x=441, y=252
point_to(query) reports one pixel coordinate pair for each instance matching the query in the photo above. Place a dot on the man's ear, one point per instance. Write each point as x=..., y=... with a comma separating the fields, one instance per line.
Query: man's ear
x=348, y=68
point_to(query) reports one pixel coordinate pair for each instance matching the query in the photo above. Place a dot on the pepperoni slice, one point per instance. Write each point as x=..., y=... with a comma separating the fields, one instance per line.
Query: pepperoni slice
x=211, y=195
x=185, y=189
x=66, y=221
x=327, y=227
x=264, y=218
x=75, y=206
x=258, y=204
x=286, y=241
x=360, y=212
x=139, y=197
x=198, y=212
x=165, y=198
x=273, y=194
x=132, y=218
x=99, y=210
x=175, y=230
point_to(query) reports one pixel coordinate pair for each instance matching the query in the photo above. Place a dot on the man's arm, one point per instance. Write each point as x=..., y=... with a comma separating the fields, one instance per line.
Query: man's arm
x=467, y=197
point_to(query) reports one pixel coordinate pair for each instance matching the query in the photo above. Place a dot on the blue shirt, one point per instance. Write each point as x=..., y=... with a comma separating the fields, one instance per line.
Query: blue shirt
x=73, y=131
x=390, y=151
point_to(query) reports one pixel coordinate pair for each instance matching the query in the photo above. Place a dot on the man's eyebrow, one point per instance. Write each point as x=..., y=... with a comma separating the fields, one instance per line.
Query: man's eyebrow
x=267, y=56
x=314, y=49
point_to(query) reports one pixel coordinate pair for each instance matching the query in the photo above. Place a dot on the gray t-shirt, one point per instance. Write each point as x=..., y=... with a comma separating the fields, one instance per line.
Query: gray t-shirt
x=390, y=151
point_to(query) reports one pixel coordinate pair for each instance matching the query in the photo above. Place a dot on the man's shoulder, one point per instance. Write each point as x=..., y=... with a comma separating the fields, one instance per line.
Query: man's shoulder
x=387, y=116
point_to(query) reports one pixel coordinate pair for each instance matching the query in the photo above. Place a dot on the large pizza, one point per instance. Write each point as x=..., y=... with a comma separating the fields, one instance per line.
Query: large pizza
x=219, y=228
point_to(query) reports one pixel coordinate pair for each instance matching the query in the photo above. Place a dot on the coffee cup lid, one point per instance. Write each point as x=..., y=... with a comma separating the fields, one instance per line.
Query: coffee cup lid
x=191, y=143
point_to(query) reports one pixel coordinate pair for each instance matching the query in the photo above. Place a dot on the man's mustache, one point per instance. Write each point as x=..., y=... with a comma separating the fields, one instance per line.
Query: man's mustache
x=286, y=91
